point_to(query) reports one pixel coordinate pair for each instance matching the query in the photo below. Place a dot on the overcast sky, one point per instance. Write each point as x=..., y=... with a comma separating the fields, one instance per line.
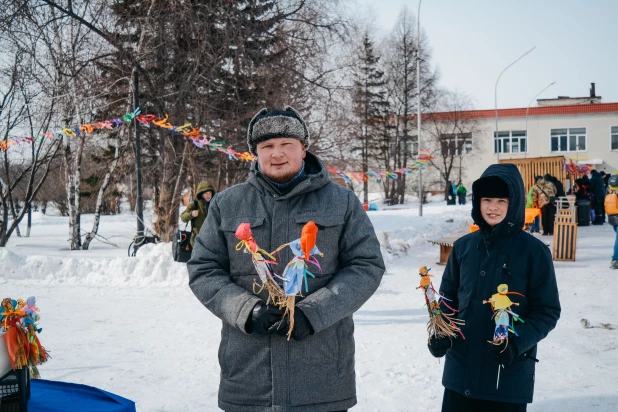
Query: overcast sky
x=474, y=40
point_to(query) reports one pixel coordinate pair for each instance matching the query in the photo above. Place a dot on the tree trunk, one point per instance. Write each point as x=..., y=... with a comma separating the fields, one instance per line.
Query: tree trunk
x=74, y=237
x=365, y=169
x=29, y=221
x=97, y=211
x=4, y=223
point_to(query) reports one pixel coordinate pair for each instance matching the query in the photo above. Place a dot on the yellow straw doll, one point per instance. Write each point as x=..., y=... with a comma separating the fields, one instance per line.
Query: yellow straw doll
x=440, y=324
x=501, y=306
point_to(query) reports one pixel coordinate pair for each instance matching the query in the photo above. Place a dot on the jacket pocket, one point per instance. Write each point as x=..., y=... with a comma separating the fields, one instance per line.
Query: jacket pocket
x=347, y=349
x=313, y=369
x=464, y=312
x=240, y=261
x=245, y=368
x=327, y=240
x=462, y=307
x=223, y=347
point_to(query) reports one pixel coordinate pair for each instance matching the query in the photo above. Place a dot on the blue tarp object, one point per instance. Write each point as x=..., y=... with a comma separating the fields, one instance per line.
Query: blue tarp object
x=53, y=396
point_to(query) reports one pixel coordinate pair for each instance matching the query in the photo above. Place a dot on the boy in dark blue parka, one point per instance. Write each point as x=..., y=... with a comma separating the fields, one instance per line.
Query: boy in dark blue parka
x=499, y=253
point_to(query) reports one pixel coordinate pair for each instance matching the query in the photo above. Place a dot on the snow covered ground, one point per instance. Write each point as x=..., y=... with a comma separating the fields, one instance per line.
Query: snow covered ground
x=133, y=327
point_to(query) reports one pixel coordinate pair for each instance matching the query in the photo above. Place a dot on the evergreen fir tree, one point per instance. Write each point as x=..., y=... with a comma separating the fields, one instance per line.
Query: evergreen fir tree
x=370, y=103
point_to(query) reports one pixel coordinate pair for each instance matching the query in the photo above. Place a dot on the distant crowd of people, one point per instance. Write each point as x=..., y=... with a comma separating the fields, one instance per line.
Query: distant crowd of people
x=456, y=193
x=543, y=195
x=594, y=189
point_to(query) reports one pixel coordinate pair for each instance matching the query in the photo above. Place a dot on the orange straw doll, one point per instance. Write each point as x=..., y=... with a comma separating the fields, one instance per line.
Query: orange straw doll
x=262, y=266
x=15, y=338
x=18, y=319
x=296, y=271
x=440, y=324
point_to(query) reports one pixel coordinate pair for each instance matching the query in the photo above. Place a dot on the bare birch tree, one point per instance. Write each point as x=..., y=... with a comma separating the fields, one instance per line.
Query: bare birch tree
x=400, y=144
x=450, y=131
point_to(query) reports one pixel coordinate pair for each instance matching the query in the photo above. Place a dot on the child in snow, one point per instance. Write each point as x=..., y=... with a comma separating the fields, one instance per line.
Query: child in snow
x=500, y=253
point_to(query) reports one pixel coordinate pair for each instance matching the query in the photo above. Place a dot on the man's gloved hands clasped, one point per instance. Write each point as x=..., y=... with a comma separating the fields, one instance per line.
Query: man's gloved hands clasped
x=268, y=320
x=262, y=318
x=503, y=353
x=302, y=327
x=439, y=346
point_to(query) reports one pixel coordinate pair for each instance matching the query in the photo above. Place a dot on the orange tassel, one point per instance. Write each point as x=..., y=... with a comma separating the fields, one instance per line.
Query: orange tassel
x=18, y=347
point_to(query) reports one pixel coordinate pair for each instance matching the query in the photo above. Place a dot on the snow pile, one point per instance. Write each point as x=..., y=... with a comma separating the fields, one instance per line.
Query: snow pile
x=153, y=266
x=45, y=258
x=403, y=231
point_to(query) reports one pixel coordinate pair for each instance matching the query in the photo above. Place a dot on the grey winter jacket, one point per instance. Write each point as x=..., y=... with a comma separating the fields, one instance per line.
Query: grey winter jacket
x=267, y=373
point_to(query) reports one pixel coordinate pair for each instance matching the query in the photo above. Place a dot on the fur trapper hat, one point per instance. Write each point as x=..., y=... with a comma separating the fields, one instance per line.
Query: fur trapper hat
x=276, y=123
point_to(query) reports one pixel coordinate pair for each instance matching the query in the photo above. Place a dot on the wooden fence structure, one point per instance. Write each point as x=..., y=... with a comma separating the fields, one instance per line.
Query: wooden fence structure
x=539, y=166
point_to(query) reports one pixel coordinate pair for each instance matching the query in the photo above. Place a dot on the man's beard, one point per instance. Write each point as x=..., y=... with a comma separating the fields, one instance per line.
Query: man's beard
x=282, y=177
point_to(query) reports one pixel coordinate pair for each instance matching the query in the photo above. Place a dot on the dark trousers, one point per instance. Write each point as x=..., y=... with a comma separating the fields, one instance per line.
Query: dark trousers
x=547, y=218
x=599, y=211
x=455, y=402
x=462, y=199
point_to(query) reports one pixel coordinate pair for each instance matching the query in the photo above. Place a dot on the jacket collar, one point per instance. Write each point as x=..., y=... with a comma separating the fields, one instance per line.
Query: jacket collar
x=317, y=177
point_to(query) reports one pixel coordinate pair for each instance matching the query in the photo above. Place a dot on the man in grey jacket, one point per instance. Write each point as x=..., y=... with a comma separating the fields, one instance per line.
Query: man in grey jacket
x=261, y=371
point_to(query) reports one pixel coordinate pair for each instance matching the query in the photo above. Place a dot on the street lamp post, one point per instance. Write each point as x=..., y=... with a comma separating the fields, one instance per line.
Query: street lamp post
x=139, y=203
x=418, y=112
x=496, y=93
x=527, y=109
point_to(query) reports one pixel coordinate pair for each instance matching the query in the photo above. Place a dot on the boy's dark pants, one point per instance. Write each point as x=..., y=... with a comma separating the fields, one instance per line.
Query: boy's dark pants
x=455, y=402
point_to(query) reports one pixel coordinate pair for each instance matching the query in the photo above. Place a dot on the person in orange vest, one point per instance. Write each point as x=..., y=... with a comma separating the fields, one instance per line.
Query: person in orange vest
x=530, y=203
x=611, y=209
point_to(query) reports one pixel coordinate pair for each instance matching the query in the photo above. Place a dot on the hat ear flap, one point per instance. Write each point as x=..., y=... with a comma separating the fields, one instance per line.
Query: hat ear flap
x=293, y=110
x=302, y=121
x=252, y=122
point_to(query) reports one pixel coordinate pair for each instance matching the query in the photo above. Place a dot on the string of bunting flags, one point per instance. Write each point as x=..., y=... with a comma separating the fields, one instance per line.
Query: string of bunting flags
x=197, y=137
x=379, y=175
x=201, y=140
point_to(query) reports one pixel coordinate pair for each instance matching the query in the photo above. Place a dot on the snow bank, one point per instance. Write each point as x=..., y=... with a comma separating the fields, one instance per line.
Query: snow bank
x=45, y=258
x=153, y=266
x=401, y=232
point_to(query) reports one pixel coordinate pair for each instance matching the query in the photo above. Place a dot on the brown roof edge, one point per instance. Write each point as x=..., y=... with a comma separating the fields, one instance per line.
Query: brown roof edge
x=521, y=112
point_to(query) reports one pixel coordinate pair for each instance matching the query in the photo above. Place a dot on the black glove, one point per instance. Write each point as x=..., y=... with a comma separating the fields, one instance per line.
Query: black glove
x=439, y=346
x=302, y=326
x=262, y=318
x=503, y=353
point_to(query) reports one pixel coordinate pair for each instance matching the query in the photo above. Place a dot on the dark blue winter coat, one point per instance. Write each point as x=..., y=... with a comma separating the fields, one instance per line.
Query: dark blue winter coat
x=478, y=263
x=597, y=187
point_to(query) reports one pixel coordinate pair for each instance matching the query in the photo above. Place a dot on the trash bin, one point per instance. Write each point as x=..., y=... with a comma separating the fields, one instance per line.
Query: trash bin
x=583, y=212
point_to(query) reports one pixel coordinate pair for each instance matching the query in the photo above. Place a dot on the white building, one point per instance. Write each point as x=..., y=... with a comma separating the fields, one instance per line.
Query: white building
x=582, y=129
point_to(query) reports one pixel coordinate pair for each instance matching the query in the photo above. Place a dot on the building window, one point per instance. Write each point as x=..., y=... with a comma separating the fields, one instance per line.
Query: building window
x=409, y=146
x=456, y=144
x=412, y=146
x=568, y=140
x=514, y=141
x=614, y=137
